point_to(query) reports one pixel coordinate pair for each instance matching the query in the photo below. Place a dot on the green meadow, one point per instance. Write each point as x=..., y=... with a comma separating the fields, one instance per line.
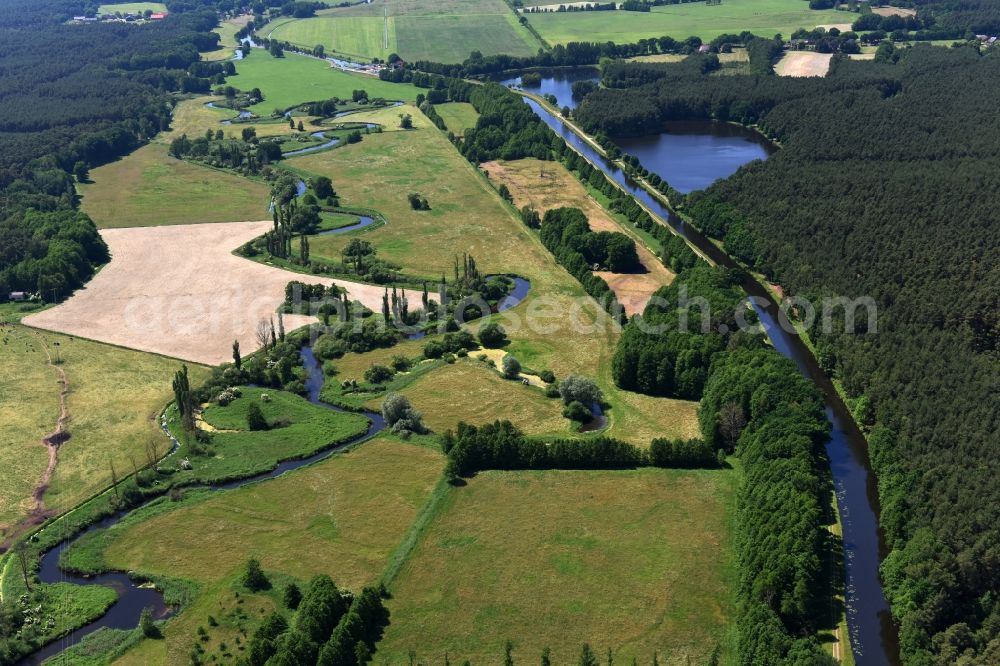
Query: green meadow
x=150, y=188
x=318, y=519
x=295, y=79
x=114, y=400
x=439, y=31
x=636, y=561
x=458, y=116
x=132, y=7
x=762, y=17
x=356, y=36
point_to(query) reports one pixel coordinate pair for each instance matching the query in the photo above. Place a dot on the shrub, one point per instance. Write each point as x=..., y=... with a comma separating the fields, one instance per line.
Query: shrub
x=378, y=374
x=492, y=335
x=400, y=415
x=149, y=629
x=255, y=418
x=254, y=578
x=580, y=389
x=552, y=391
x=511, y=367
x=400, y=363
x=547, y=376
x=577, y=411
x=433, y=349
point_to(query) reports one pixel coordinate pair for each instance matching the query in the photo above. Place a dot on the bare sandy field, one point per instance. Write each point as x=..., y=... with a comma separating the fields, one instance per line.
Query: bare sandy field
x=556, y=188
x=179, y=291
x=803, y=63
x=842, y=27
x=894, y=11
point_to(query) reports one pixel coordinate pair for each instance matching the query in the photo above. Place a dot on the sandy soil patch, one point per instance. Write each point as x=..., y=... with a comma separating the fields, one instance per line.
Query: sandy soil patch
x=803, y=63
x=842, y=27
x=496, y=355
x=179, y=291
x=894, y=11
x=546, y=185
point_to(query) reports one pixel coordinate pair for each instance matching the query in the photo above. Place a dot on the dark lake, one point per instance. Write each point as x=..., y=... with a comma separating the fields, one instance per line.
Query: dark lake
x=691, y=155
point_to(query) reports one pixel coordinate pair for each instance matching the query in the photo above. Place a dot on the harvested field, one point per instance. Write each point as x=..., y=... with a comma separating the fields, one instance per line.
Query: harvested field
x=556, y=188
x=803, y=63
x=179, y=291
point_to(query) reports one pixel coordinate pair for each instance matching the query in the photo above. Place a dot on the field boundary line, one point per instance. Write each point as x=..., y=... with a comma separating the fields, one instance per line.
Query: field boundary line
x=432, y=508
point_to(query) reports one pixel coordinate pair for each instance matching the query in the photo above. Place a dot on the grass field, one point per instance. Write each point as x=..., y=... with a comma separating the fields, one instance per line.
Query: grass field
x=131, y=7
x=150, y=188
x=636, y=561
x=298, y=429
x=357, y=36
x=295, y=79
x=762, y=17
x=557, y=328
x=451, y=39
x=227, y=45
x=458, y=116
x=326, y=511
x=421, y=8
x=468, y=391
x=192, y=117
x=440, y=31
x=114, y=398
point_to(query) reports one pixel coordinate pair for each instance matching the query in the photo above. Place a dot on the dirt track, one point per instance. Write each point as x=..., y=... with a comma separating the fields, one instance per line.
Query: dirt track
x=803, y=63
x=179, y=291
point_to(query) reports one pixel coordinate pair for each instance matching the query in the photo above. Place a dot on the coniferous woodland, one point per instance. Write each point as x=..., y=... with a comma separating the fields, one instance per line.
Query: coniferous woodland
x=887, y=186
x=73, y=97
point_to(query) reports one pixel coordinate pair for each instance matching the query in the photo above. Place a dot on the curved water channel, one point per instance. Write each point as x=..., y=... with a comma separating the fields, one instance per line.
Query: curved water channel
x=132, y=597
x=873, y=635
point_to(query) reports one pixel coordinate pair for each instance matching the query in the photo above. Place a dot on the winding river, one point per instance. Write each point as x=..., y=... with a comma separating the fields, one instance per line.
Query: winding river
x=133, y=598
x=873, y=636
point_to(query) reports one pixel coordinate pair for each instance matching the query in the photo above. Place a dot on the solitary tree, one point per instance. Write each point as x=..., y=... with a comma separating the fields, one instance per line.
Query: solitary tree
x=587, y=656
x=81, y=171
x=262, y=334
x=146, y=625
x=405, y=121
x=237, y=359
x=255, y=417
x=254, y=578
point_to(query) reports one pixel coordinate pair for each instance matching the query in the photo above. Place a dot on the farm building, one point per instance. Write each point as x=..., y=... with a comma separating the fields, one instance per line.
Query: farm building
x=18, y=296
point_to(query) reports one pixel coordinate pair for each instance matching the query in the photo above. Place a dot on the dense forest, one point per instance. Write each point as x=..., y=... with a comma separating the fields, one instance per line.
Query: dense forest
x=887, y=186
x=73, y=97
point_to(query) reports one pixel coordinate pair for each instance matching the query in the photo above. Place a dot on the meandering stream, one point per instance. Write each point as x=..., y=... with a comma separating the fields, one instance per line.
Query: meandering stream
x=133, y=598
